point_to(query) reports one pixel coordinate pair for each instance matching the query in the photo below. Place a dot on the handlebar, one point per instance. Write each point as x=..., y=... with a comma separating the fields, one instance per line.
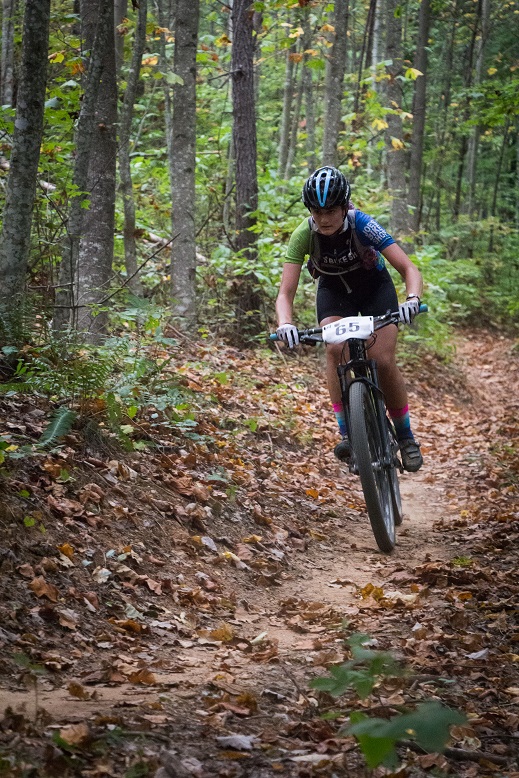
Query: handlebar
x=312, y=335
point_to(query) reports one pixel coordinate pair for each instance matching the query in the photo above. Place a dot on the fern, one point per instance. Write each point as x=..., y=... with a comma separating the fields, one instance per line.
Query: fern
x=59, y=425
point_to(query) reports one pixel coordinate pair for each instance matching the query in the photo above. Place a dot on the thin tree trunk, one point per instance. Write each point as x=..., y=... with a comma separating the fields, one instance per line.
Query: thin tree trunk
x=419, y=108
x=440, y=128
x=97, y=235
x=125, y=173
x=308, y=95
x=288, y=98
x=183, y=250
x=335, y=68
x=493, y=210
x=9, y=11
x=294, y=128
x=120, y=11
x=396, y=152
x=65, y=298
x=517, y=172
x=229, y=179
x=163, y=14
x=248, y=321
x=464, y=138
x=364, y=53
x=484, y=11
x=21, y=182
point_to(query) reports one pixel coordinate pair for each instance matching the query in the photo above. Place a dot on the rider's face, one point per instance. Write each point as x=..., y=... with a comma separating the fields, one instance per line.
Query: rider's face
x=329, y=220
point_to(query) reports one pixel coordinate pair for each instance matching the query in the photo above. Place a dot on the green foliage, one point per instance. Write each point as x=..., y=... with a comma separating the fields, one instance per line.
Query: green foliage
x=428, y=724
x=116, y=383
x=60, y=424
x=361, y=673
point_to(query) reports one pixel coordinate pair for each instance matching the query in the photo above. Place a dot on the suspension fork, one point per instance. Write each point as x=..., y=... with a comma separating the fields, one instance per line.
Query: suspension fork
x=360, y=368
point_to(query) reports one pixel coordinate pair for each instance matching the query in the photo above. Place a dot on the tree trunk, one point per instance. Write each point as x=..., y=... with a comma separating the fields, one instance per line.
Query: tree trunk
x=183, y=249
x=396, y=152
x=419, y=108
x=484, y=9
x=21, y=183
x=308, y=94
x=493, y=210
x=464, y=143
x=229, y=178
x=294, y=127
x=248, y=320
x=335, y=68
x=440, y=123
x=288, y=99
x=120, y=11
x=125, y=173
x=65, y=309
x=517, y=172
x=365, y=53
x=97, y=234
x=9, y=11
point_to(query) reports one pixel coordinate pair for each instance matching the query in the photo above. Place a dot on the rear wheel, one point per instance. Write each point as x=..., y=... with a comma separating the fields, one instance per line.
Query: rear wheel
x=368, y=450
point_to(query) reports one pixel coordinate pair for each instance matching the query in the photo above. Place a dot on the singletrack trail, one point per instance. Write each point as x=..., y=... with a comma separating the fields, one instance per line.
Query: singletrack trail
x=210, y=622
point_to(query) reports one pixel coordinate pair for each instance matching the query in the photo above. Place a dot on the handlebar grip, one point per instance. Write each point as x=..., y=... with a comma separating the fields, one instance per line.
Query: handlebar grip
x=423, y=308
x=273, y=336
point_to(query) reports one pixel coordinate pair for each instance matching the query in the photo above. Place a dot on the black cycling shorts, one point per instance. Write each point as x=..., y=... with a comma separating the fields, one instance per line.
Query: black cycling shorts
x=374, y=299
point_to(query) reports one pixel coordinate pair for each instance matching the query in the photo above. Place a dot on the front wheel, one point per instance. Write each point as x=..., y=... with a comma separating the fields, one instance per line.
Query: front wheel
x=368, y=451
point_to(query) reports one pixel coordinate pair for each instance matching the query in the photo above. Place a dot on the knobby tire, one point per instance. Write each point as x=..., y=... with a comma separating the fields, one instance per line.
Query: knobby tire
x=368, y=451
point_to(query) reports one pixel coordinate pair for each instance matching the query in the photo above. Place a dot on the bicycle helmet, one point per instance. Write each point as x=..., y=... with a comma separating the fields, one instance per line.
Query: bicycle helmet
x=326, y=188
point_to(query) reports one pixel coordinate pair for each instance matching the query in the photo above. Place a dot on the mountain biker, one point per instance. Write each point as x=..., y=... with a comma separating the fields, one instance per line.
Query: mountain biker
x=346, y=248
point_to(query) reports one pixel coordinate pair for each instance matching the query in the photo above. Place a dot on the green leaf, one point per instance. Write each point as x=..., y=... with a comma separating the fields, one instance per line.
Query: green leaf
x=59, y=425
x=29, y=521
x=222, y=378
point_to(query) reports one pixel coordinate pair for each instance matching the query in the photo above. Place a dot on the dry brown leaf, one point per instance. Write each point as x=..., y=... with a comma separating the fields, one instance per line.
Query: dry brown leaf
x=41, y=588
x=75, y=689
x=68, y=618
x=26, y=570
x=75, y=734
x=224, y=633
x=143, y=676
x=67, y=550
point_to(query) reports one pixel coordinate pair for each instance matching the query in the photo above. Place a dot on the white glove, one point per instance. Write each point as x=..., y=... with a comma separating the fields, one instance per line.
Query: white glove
x=288, y=334
x=409, y=309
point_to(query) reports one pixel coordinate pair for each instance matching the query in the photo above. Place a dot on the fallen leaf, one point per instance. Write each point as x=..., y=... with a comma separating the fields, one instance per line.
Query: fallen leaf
x=67, y=550
x=68, y=618
x=26, y=570
x=75, y=689
x=143, y=676
x=239, y=742
x=224, y=633
x=41, y=588
x=75, y=734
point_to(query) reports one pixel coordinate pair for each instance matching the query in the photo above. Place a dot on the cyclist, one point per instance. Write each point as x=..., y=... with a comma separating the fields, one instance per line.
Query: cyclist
x=346, y=248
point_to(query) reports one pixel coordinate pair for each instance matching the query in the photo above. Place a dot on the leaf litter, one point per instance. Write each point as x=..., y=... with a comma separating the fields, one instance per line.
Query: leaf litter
x=179, y=603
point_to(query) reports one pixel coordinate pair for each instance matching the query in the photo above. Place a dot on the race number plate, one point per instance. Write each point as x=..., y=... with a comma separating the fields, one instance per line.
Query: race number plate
x=351, y=327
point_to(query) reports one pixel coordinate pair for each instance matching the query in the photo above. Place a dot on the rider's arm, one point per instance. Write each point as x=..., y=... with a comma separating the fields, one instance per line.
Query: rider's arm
x=403, y=265
x=287, y=292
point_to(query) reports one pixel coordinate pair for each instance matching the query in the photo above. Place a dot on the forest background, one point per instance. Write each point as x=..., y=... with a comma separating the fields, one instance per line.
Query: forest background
x=151, y=165
x=153, y=157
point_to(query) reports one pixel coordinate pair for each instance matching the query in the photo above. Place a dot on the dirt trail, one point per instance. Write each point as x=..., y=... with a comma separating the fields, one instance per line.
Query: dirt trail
x=261, y=670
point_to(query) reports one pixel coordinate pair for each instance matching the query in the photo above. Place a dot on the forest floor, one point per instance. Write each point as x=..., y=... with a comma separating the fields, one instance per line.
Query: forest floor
x=172, y=605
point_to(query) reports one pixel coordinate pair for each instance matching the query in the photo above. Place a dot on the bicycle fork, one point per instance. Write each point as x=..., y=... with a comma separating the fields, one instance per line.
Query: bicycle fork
x=348, y=374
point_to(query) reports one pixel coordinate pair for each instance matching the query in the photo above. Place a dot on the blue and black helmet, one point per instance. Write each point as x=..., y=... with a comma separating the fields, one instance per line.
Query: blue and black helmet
x=325, y=188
